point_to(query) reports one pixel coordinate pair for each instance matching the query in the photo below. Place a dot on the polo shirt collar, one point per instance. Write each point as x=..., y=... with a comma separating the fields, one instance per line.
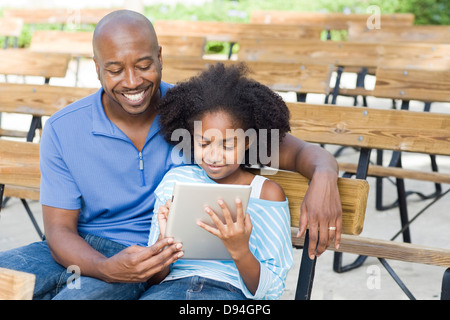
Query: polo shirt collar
x=102, y=125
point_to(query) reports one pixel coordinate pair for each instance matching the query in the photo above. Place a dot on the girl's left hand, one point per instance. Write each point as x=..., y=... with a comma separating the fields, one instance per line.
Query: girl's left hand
x=234, y=235
x=163, y=214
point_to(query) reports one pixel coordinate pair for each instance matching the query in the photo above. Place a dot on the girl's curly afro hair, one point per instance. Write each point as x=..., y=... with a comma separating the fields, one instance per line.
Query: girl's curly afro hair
x=223, y=88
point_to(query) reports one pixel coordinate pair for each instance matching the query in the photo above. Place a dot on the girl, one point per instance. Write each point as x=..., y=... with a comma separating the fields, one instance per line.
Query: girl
x=223, y=99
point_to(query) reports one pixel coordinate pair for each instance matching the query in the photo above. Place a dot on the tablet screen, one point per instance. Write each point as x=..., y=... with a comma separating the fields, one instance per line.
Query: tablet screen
x=188, y=203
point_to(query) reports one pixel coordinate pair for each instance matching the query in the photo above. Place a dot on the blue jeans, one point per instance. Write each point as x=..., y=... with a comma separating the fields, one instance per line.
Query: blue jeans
x=193, y=288
x=53, y=281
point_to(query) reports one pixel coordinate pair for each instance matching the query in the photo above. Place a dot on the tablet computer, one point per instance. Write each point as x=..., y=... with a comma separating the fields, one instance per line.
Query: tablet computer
x=188, y=206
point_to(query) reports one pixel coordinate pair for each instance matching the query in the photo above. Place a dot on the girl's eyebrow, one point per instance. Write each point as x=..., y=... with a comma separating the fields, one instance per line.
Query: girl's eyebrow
x=197, y=136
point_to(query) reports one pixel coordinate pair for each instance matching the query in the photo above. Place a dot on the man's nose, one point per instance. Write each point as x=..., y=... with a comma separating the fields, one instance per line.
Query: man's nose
x=132, y=78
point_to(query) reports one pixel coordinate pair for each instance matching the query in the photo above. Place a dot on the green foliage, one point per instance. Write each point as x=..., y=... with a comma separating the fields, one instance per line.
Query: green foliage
x=428, y=11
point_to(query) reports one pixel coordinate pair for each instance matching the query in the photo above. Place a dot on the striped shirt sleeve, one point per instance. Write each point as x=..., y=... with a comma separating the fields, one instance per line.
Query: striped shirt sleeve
x=270, y=242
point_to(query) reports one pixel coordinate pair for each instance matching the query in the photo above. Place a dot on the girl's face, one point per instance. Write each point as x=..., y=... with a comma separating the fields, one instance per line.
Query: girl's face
x=218, y=147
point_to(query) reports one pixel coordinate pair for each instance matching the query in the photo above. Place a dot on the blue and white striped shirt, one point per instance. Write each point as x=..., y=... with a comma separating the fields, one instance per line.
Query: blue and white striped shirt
x=270, y=240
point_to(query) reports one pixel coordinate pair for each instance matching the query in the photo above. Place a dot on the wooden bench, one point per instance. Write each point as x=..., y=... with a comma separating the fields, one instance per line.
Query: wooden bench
x=346, y=56
x=334, y=20
x=420, y=33
x=233, y=32
x=368, y=129
x=328, y=21
x=294, y=77
x=58, y=15
x=23, y=62
x=407, y=84
x=182, y=46
x=79, y=45
x=16, y=285
x=19, y=170
x=75, y=43
x=36, y=101
x=19, y=167
x=10, y=27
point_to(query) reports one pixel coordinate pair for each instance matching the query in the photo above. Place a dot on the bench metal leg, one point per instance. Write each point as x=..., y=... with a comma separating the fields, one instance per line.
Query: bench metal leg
x=361, y=76
x=401, y=194
x=339, y=268
x=361, y=173
x=445, y=292
x=337, y=84
x=301, y=97
x=36, y=123
x=2, y=188
x=397, y=279
x=306, y=273
x=33, y=220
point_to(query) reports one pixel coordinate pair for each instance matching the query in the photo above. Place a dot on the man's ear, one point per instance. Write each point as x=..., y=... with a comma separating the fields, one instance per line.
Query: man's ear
x=96, y=67
x=160, y=56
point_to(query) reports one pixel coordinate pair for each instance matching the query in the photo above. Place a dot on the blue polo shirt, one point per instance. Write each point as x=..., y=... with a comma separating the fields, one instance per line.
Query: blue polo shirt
x=88, y=163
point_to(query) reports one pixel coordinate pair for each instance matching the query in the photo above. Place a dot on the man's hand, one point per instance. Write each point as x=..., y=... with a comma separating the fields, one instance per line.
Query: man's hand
x=138, y=264
x=132, y=264
x=321, y=209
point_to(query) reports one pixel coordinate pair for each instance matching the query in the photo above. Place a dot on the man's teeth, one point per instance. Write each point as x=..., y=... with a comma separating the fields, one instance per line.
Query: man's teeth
x=135, y=96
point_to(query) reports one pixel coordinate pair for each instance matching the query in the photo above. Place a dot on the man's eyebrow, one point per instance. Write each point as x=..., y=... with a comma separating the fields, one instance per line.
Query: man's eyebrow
x=145, y=58
x=110, y=63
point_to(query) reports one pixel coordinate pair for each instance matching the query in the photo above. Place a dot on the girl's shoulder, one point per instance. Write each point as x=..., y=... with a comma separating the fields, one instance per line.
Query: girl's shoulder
x=187, y=173
x=183, y=172
x=272, y=191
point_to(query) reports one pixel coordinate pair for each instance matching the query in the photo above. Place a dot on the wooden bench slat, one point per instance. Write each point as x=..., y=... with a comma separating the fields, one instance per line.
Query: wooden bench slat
x=328, y=21
x=401, y=173
x=353, y=192
x=59, y=15
x=233, y=32
x=16, y=285
x=79, y=43
x=27, y=63
x=302, y=78
x=386, y=249
x=412, y=84
x=182, y=46
x=19, y=163
x=21, y=192
x=371, y=128
x=11, y=27
x=38, y=100
x=417, y=33
x=13, y=133
x=346, y=53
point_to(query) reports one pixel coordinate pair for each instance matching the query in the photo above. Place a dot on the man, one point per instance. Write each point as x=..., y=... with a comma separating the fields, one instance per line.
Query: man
x=101, y=160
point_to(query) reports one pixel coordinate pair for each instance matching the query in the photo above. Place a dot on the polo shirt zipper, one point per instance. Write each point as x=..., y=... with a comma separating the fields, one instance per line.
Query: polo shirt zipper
x=141, y=167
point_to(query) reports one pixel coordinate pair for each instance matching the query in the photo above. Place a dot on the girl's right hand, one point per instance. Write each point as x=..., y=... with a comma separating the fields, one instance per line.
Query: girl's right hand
x=163, y=214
